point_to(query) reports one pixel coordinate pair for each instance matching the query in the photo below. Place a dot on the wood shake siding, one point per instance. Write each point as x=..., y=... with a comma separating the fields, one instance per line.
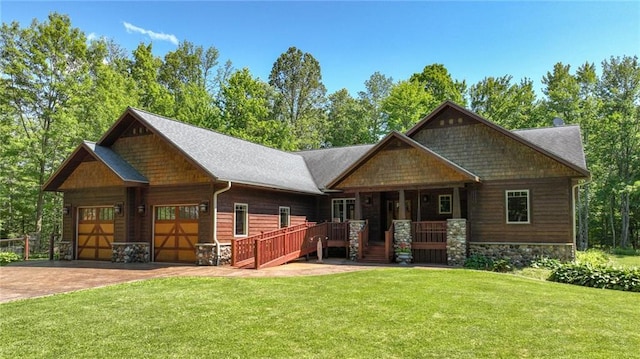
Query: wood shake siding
x=157, y=161
x=490, y=154
x=550, y=212
x=264, y=210
x=91, y=174
x=398, y=164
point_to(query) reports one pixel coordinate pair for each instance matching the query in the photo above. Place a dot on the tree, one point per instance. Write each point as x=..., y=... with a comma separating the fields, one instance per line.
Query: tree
x=437, y=81
x=378, y=87
x=509, y=105
x=152, y=95
x=619, y=89
x=406, y=104
x=346, y=121
x=246, y=112
x=297, y=80
x=45, y=75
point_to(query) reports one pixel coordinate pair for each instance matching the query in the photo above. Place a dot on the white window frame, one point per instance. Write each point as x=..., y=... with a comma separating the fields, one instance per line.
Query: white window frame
x=288, y=212
x=344, y=208
x=440, y=197
x=246, y=219
x=506, y=205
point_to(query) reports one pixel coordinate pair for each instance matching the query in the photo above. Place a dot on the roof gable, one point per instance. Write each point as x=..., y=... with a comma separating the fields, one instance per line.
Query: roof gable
x=398, y=160
x=568, y=157
x=111, y=160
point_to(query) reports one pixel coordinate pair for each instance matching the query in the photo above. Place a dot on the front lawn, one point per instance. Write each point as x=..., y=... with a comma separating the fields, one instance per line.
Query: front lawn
x=386, y=313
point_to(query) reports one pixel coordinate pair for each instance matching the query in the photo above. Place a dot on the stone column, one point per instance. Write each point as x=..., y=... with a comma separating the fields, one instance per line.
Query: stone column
x=402, y=241
x=205, y=254
x=65, y=249
x=130, y=252
x=355, y=226
x=456, y=241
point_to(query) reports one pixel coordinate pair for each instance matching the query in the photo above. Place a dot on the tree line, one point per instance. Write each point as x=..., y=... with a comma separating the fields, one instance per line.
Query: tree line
x=59, y=88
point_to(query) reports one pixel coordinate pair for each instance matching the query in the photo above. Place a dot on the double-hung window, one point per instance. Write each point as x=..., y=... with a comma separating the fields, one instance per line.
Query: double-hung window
x=343, y=209
x=241, y=220
x=285, y=217
x=444, y=204
x=517, y=204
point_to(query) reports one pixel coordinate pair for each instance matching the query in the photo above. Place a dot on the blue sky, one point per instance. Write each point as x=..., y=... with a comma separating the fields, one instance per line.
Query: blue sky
x=352, y=40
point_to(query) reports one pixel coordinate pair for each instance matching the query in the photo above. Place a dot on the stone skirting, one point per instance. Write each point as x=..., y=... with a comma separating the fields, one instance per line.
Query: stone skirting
x=206, y=254
x=130, y=252
x=402, y=241
x=354, y=227
x=456, y=241
x=522, y=254
x=65, y=249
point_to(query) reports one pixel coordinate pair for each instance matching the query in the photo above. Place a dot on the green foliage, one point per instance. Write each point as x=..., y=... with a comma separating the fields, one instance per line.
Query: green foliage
x=346, y=121
x=8, y=257
x=509, y=105
x=547, y=263
x=594, y=257
x=481, y=262
x=625, y=251
x=598, y=276
x=438, y=83
x=406, y=104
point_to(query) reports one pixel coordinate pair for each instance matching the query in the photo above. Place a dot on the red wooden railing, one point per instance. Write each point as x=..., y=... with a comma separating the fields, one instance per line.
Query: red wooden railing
x=429, y=235
x=243, y=249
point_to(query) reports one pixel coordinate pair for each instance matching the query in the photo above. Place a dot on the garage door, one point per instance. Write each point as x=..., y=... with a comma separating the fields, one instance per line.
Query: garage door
x=175, y=233
x=95, y=233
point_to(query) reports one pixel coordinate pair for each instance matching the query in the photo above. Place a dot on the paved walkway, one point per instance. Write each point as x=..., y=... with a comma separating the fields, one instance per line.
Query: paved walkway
x=40, y=278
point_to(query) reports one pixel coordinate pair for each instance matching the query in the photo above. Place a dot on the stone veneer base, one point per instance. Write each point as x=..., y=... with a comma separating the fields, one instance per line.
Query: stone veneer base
x=456, y=242
x=355, y=226
x=206, y=254
x=66, y=250
x=522, y=254
x=130, y=252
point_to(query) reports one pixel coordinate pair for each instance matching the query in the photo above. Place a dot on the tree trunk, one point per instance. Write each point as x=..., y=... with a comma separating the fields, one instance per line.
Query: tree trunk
x=612, y=219
x=624, y=214
x=583, y=219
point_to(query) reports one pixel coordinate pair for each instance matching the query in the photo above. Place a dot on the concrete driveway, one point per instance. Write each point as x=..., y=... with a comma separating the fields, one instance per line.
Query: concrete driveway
x=40, y=278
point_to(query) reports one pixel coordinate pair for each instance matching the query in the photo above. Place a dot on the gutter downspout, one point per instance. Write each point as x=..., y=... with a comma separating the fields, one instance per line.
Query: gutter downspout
x=573, y=203
x=215, y=219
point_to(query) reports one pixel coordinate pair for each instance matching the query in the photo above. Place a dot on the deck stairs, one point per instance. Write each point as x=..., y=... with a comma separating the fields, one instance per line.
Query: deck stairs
x=375, y=253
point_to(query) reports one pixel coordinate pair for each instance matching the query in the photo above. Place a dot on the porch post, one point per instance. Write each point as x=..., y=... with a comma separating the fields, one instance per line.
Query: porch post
x=401, y=210
x=456, y=203
x=358, y=209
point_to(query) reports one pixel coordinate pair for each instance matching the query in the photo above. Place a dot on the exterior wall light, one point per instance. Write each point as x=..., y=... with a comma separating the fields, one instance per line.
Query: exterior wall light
x=141, y=209
x=117, y=208
x=66, y=210
x=203, y=207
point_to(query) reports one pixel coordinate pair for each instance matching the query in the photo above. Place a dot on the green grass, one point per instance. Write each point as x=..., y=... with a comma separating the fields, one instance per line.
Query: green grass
x=625, y=261
x=386, y=313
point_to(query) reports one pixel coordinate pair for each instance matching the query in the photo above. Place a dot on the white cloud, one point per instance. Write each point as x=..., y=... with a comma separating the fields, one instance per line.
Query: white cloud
x=92, y=36
x=154, y=35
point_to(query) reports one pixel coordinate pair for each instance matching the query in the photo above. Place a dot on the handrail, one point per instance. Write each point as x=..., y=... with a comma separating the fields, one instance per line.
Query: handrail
x=243, y=250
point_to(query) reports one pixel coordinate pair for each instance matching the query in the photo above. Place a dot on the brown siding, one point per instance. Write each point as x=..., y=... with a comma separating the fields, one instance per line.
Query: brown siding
x=550, y=212
x=263, y=210
x=490, y=154
x=103, y=197
x=91, y=175
x=157, y=161
x=403, y=166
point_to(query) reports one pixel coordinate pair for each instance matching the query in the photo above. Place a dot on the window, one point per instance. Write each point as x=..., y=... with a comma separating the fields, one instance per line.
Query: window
x=241, y=220
x=517, y=206
x=285, y=217
x=343, y=209
x=444, y=204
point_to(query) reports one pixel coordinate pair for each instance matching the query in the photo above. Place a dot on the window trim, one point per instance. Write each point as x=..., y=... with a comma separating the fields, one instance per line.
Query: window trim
x=344, y=203
x=288, y=210
x=440, y=197
x=246, y=219
x=506, y=206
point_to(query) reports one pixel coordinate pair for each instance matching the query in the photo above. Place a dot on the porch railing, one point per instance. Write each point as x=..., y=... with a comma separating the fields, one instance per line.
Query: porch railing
x=429, y=235
x=363, y=240
x=243, y=250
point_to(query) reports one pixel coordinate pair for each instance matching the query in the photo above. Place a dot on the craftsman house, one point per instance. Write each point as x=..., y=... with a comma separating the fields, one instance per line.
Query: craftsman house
x=456, y=184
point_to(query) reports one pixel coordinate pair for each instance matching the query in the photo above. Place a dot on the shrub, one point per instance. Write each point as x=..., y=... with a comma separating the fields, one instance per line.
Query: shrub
x=598, y=276
x=478, y=261
x=545, y=262
x=625, y=251
x=8, y=257
x=594, y=257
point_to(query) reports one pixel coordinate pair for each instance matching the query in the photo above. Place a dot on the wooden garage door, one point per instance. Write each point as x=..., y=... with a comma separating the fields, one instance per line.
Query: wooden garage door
x=95, y=233
x=175, y=233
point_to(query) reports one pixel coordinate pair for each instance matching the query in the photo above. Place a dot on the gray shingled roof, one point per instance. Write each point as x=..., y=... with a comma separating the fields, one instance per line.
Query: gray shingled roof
x=326, y=164
x=563, y=141
x=231, y=159
x=116, y=163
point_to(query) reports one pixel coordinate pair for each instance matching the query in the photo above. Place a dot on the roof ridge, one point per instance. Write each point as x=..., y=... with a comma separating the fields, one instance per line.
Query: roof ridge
x=331, y=148
x=544, y=128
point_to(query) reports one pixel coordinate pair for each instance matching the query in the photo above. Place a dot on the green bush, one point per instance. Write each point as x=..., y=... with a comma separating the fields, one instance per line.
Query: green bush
x=478, y=261
x=598, y=276
x=8, y=257
x=625, y=251
x=546, y=263
x=594, y=257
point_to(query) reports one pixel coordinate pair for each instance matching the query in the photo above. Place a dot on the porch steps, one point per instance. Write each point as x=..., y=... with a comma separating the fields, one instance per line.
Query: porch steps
x=375, y=254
